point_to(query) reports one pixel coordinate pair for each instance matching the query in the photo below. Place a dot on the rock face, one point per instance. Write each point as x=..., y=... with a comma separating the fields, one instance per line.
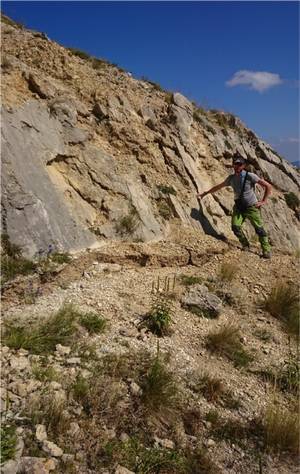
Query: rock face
x=84, y=148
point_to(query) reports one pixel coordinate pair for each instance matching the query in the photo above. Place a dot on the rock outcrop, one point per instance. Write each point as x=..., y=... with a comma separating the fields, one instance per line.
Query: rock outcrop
x=85, y=145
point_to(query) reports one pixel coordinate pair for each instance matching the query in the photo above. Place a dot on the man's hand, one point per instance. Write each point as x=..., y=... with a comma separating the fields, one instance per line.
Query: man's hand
x=259, y=203
x=201, y=196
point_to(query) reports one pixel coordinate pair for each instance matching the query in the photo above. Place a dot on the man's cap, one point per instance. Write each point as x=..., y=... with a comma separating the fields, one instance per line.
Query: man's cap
x=238, y=159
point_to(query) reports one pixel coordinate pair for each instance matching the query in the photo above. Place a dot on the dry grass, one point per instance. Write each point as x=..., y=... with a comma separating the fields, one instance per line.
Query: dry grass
x=283, y=303
x=226, y=341
x=281, y=429
x=228, y=270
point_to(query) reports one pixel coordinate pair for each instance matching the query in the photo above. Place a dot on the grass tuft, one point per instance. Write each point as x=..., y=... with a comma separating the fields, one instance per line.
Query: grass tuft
x=226, y=341
x=283, y=303
x=42, y=336
x=92, y=323
x=281, y=429
x=8, y=441
x=228, y=270
x=160, y=393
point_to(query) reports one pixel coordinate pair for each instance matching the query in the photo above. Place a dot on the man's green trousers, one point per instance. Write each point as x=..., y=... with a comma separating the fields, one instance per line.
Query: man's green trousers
x=253, y=214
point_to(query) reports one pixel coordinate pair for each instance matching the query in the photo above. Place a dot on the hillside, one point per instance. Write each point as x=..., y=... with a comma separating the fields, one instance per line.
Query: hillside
x=83, y=143
x=106, y=167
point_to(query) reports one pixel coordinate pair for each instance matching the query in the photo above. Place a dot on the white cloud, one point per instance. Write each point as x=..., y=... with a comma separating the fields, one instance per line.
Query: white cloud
x=261, y=81
x=289, y=140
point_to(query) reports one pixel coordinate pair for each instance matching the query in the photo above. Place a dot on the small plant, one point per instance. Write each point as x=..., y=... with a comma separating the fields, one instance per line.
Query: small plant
x=228, y=270
x=160, y=394
x=46, y=260
x=43, y=371
x=61, y=257
x=227, y=144
x=164, y=210
x=11, y=250
x=221, y=120
x=94, y=231
x=197, y=118
x=40, y=35
x=226, y=341
x=92, y=323
x=128, y=224
x=210, y=129
x=210, y=387
x=292, y=201
x=12, y=262
x=79, y=53
x=160, y=317
x=155, y=85
x=166, y=189
x=189, y=280
x=8, y=441
x=31, y=293
x=98, y=63
x=209, y=210
x=225, y=132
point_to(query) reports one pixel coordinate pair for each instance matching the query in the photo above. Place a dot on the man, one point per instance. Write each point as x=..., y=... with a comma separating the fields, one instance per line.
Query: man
x=246, y=206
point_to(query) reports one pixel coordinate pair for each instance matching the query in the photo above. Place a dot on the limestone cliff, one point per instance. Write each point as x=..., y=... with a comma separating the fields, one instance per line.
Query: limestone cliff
x=85, y=145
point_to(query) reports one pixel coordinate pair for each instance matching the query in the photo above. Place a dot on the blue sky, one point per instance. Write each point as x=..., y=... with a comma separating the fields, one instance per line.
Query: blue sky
x=239, y=56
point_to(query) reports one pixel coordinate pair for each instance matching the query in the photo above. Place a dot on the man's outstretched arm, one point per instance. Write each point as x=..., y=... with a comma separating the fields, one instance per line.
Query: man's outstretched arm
x=268, y=188
x=212, y=190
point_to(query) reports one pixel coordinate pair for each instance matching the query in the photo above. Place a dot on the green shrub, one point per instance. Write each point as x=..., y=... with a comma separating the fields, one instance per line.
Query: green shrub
x=211, y=129
x=164, y=210
x=128, y=224
x=209, y=210
x=197, y=118
x=92, y=323
x=61, y=257
x=6, y=20
x=155, y=85
x=227, y=144
x=98, y=63
x=41, y=337
x=40, y=35
x=8, y=441
x=12, y=262
x=189, y=280
x=166, y=189
x=292, y=200
x=221, y=119
x=79, y=53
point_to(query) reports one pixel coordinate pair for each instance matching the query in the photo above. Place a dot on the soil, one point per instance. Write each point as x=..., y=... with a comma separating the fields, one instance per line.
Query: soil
x=119, y=282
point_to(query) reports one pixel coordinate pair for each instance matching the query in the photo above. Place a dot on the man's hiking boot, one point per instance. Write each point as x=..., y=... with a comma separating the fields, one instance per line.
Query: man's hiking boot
x=267, y=255
x=246, y=248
